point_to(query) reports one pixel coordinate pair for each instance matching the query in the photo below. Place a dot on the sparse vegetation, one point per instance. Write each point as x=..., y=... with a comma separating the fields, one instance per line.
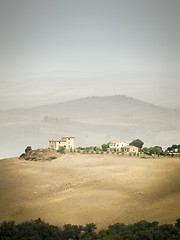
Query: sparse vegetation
x=52, y=157
x=61, y=149
x=39, y=154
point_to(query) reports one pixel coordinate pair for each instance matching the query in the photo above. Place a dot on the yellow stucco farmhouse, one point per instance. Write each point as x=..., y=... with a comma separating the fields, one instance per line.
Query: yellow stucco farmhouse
x=67, y=142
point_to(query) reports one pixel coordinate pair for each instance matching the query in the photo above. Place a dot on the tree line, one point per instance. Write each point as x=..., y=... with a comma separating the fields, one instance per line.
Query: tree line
x=156, y=150
x=39, y=230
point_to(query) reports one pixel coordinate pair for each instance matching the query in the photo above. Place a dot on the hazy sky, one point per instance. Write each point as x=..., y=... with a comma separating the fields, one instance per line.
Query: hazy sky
x=54, y=50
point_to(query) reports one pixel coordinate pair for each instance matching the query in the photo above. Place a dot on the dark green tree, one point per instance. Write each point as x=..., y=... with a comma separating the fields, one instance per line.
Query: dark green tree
x=28, y=149
x=158, y=150
x=151, y=150
x=137, y=143
x=105, y=146
x=146, y=150
x=169, y=149
x=174, y=148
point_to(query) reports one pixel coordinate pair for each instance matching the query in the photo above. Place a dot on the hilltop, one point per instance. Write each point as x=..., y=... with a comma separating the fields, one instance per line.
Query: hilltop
x=40, y=155
x=91, y=120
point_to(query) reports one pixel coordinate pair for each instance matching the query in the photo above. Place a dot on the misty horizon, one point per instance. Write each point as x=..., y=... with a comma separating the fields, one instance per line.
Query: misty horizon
x=87, y=97
x=50, y=88
x=62, y=50
x=57, y=51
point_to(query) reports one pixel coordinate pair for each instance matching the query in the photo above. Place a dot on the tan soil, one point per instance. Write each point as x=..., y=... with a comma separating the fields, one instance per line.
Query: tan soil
x=80, y=188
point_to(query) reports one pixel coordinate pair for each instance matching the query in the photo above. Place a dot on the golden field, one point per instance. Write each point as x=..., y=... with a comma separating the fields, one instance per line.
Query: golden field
x=84, y=188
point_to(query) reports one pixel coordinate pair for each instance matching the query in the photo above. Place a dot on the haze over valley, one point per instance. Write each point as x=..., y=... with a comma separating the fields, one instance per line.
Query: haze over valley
x=92, y=121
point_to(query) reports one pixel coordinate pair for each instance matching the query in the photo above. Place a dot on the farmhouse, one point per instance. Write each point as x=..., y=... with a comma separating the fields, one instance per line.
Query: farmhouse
x=67, y=142
x=116, y=146
x=129, y=149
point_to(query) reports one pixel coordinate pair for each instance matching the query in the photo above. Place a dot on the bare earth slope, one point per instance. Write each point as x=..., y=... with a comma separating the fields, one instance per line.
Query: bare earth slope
x=79, y=189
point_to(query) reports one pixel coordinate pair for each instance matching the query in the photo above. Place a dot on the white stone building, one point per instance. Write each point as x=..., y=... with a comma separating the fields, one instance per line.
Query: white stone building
x=116, y=146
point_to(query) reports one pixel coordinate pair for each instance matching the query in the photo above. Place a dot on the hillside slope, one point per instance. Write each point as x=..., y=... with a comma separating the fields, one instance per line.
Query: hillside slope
x=92, y=120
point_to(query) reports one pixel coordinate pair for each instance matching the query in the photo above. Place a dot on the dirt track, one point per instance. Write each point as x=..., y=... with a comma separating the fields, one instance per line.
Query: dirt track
x=80, y=189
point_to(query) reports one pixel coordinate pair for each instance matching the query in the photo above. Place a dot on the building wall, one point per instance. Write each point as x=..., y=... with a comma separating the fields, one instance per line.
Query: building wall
x=68, y=142
x=130, y=149
x=52, y=144
x=117, y=146
x=60, y=144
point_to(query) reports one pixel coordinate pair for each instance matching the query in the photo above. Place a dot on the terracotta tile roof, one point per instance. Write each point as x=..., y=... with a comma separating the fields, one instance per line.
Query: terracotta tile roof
x=114, y=142
x=68, y=137
x=63, y=139
x=128, y=146
x=57, y=140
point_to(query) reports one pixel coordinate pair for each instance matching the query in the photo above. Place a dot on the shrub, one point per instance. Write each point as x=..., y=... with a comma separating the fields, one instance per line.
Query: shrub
x=105, y=146
x=130, y=154
x=23, y=155
x=61, y=149
x=52, y=157
x=28, y=149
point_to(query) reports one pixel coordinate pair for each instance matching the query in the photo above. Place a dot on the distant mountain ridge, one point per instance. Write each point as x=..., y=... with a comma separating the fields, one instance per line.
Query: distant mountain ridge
x=91, y=120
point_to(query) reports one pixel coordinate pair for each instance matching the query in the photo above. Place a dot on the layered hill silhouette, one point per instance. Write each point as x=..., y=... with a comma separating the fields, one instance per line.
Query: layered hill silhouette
x=91, y=120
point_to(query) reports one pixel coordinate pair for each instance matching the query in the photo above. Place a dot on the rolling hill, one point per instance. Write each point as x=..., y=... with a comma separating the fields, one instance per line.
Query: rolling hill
x=91, y=120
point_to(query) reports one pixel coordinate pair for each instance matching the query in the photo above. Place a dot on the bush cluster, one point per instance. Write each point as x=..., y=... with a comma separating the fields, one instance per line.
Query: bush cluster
x=40, y=230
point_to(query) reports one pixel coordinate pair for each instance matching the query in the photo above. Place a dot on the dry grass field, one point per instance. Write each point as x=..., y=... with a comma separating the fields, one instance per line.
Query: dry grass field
x=80, y=188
